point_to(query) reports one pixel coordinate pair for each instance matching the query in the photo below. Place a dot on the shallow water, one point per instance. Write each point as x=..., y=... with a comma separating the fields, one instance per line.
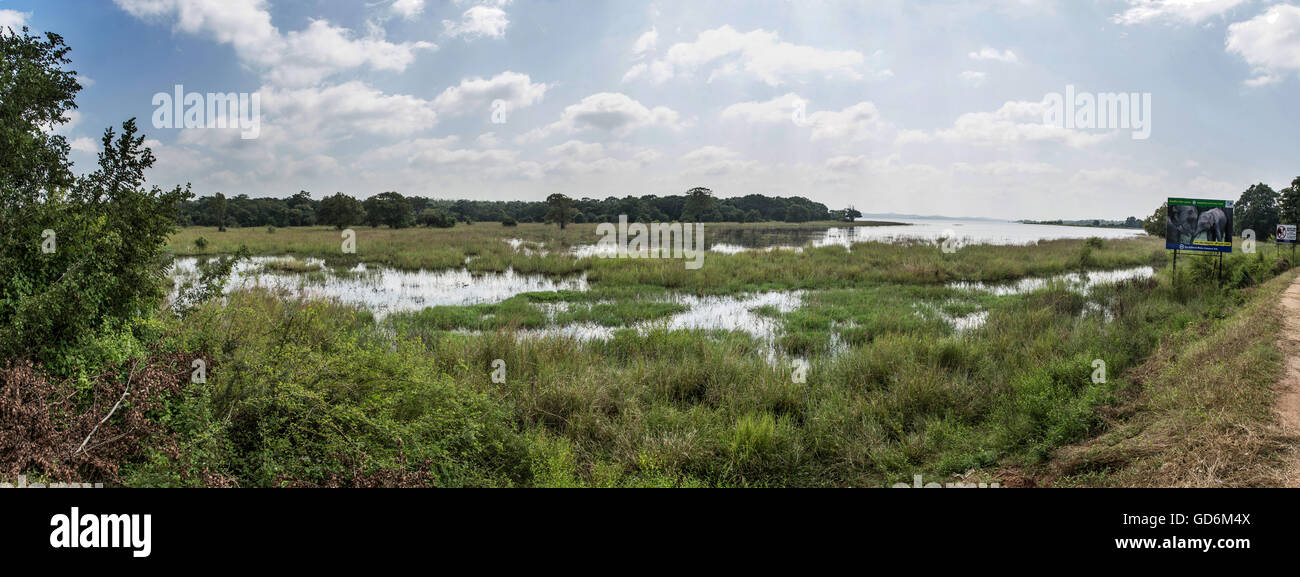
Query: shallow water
x=383, y=290
x=1082, y=283
x=966, y=232
x=1075, y=281
x=969, y=232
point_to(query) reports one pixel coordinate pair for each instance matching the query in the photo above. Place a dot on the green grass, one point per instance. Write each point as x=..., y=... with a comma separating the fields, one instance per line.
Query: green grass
x=813, y=268
x=1199, y=411
x=315, y=393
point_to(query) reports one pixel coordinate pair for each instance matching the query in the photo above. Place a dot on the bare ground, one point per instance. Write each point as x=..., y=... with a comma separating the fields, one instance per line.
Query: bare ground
x=1288, y=388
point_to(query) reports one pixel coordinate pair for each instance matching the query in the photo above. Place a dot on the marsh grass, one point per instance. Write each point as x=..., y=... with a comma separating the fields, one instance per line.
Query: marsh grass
x=310, y=386
x=311, y=392
x=750, y=271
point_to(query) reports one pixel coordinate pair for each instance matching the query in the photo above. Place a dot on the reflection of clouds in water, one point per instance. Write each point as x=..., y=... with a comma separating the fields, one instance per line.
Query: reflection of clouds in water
x=736, y=240
x=1081, y=282
x=384, y=291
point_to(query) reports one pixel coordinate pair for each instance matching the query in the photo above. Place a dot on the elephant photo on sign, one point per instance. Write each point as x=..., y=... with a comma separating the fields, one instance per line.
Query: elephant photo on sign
x=1188, y=225
x=1181, y=225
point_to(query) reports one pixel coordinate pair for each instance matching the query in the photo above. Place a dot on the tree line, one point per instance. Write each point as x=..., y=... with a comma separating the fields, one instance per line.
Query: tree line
x=397, y=211
x=1260, y=208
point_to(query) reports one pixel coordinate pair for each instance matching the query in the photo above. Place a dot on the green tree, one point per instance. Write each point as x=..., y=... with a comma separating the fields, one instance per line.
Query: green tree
x=389, y=208
x=1289, y=204
x=35, y=93
x=560, y=210
x=1256, y=210
x=340, y=211
x=699, y=205
x=79, y=254
x=797, y=213
x=437, y=218
x=1154, y=225
x=302, y=211
x=219, y=207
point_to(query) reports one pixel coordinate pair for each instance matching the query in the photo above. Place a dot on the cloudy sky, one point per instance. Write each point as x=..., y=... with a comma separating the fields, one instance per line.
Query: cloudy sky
x=929, y=107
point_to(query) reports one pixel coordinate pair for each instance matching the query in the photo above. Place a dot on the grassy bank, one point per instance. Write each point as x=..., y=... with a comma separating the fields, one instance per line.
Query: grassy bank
x=1198, y=412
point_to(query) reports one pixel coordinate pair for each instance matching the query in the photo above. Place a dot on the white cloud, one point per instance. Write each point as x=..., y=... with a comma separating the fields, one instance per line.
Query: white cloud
x=855, y=123
x=1175, y=11
x=759, y=53
x=715, y=161
x=646, y=42
x=13, y=19
x=298, y=58
x=659, y=71
x=442, y=152
x=776, y=110
x=974, y=77
x=345, y=109
x=1015, y=122
x=1005, y=167
x=987, y=53
x=408, y=9
x=83, y=144
x=1269, y=43
x=609, y=112
x=514, y=89
x=578, y=149
x=323, y=49
x=478, y=22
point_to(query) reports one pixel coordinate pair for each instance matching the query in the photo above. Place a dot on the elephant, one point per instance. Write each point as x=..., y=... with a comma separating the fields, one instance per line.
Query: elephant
x=1181, y=222
x=1214, y=223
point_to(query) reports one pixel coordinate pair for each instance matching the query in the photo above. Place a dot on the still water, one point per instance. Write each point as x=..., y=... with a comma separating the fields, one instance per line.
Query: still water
x=728, y=240
x=384, y=290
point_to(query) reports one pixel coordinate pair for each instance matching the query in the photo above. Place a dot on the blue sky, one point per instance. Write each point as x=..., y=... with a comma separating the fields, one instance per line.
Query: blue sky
x=932, y=107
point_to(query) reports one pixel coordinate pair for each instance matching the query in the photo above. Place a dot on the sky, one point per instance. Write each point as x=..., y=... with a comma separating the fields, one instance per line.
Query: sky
x=918, y=107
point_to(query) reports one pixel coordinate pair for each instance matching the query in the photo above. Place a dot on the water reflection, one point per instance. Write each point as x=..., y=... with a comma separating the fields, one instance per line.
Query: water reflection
x=383, y=290
x=1081, y=282
x=731, y=240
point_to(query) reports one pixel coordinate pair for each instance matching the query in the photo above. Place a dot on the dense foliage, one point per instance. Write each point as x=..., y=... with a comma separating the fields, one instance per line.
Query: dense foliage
x=341, y=210
x=79, y=255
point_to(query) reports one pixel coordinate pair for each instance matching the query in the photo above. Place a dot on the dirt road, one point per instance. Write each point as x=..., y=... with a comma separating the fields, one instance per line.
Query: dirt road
x=1288, y=398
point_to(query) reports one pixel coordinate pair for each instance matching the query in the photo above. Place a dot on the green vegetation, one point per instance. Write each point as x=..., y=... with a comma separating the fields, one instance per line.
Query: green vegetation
x=883, y=370
x=1199, y=412
x=311, y=393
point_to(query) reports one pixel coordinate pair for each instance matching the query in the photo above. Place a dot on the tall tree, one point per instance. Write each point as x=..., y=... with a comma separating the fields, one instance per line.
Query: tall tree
x=1154, y=225
x=389, y=208
x=1289, y=204
x=1256, y=210
x=340, y=211
x=699, y=204
x=220, y=206
x=560, y=210
x=78, y=254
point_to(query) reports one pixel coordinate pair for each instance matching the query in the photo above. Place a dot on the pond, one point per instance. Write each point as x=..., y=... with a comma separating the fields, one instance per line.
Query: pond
x=382, y=290
x=731, y=240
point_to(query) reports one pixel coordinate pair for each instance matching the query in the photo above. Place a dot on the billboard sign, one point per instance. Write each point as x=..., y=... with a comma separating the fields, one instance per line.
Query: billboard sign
x=1285, y=233
x=1198, y=225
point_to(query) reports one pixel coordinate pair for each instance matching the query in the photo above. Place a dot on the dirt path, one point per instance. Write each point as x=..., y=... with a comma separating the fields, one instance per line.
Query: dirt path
x=1288, y=398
